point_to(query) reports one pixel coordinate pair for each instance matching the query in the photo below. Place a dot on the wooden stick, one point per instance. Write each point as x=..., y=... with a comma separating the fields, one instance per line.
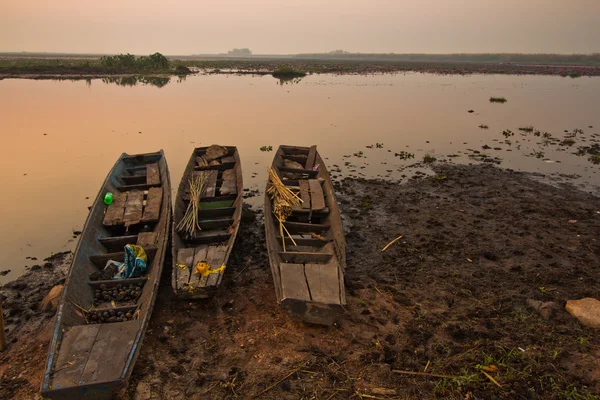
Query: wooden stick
x=425, y=370
x=397, y=371
x=1, y=327
x=391, y=243
x=278, y=382
x=491, y=379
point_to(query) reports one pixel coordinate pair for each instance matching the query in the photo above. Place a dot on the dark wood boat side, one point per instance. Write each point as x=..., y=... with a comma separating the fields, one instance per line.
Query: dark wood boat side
x=308, y=276
x=96, y=360
x=219, y=225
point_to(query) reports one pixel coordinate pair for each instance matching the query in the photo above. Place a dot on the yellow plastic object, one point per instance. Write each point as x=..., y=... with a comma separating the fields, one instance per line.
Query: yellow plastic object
x=204, y=269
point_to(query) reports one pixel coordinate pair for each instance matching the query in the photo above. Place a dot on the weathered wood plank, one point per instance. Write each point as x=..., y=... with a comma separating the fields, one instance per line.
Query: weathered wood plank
x=317, y=199
x=100, y=260
x=323, y=282
x=215, y=260
x=141, y=186
x=153, y=204
x=303, y=242
x=298, y=171
x=316, y=213
x=110, y=352
x=152, y=174
x=74, y=352
x=301, y=227
x=114, y=213
x=133, y=208
x=305, y=193
x=148, y=240
x=209, y=188
x=118, y=242
x=210, y=236
x=293, y=282
x=133, y=179
x=229, y=185
x=185, y=257
x=312, y=155
x=197, y=280
x=228, y=160
x=302, y=257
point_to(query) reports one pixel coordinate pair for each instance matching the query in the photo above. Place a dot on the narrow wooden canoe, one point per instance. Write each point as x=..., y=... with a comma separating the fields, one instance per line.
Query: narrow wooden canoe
x=219, y=219
x=308, y=276
x=88, y=359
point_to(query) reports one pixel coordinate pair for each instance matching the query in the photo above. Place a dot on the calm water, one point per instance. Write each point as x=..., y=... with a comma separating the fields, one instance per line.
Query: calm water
x=61, y=138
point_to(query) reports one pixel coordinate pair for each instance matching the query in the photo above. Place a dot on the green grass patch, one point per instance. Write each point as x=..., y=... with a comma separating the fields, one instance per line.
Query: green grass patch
x=288, y=72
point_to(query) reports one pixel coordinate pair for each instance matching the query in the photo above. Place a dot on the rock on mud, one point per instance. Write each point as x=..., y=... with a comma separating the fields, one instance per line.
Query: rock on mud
x=586, y=310
x=545, y=309
x=52, y=299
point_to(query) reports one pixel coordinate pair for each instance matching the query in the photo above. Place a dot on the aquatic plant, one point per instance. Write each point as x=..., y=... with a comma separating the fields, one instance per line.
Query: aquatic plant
x=287, y=71
x=498, y=100
x=428, y=158
x=266, y=148
x=404, y=155
x=526, y=128
x=507, y=133
x=483, y=126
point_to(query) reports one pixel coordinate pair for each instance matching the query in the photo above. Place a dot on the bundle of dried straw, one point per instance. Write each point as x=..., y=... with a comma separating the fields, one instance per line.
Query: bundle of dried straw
x=283, y=201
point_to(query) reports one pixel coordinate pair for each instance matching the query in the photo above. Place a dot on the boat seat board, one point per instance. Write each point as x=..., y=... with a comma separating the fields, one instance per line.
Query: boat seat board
x=152, y=174
x=323, y=282
x=209, y=186
x=111, y=350
x=229, y=183
x=305, y=193
x=74, y=351
x=312, y=155
x=148, y=240
x=214, y=260
x=293, y=282
x=133, y=208
x=317, y=199
x=153, y=204
x=185, y=258
x=301, y=227
x=114, y=213
x=117, y=243
x=200, y=254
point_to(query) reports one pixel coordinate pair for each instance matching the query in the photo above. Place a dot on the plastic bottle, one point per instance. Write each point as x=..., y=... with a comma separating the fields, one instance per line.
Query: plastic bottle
x=108, y=198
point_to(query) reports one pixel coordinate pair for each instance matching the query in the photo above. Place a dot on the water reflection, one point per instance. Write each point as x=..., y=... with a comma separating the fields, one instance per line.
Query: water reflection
x=158, y=81
x=289, y=80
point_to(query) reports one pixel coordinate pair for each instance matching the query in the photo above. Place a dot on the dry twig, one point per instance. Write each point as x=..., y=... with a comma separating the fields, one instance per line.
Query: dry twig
x=391, y=243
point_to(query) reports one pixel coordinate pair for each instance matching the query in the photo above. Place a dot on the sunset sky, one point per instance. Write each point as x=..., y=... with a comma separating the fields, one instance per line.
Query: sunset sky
x=279, y=27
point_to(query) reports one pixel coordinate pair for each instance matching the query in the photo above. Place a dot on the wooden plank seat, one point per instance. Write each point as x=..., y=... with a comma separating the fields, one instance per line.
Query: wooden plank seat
x=94, y=353
x=311, y=282
x=189, y=257
x=210, y=236
x=301, y=227
x=153, y=205
x=309, y=172
x=228, y=186
x=129, y=208
x=152, y=174
x=303, y=241
x=317, y=198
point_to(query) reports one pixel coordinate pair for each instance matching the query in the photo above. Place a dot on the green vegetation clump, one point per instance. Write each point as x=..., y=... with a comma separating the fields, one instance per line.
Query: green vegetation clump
x=288, y=72
x=498, y=100
x=266, y=148
x=404, y=155
x=526, y=128
x=428, y=158
x=128, y=62
x=567, y=142
x=483, y=126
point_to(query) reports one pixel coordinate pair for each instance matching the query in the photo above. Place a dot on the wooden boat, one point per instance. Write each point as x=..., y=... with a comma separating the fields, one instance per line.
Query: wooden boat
x=308, y=275
x=92, y=359
x=219, y=218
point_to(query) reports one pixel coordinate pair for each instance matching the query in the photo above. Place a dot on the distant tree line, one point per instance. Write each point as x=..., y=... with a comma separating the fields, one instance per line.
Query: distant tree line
x=585, y=59
x=239, y=52
x=129, y=62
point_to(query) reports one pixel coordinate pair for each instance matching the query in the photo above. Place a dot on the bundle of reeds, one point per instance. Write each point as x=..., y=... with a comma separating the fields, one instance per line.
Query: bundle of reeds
x=189, y=223
x=283, y=201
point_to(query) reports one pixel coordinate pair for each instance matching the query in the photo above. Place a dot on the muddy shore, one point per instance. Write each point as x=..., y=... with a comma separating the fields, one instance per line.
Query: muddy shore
x=79, y=70
x=449, y=297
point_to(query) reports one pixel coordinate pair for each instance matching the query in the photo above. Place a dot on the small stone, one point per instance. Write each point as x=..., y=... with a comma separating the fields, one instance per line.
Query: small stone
x=52, y=299
x=35, y=267
x=545, y=309
x=48, y=265
x=142, y=391
x=586, y=310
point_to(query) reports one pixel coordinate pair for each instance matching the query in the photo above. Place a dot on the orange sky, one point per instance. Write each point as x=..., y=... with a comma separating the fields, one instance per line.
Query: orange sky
x=269, y=26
